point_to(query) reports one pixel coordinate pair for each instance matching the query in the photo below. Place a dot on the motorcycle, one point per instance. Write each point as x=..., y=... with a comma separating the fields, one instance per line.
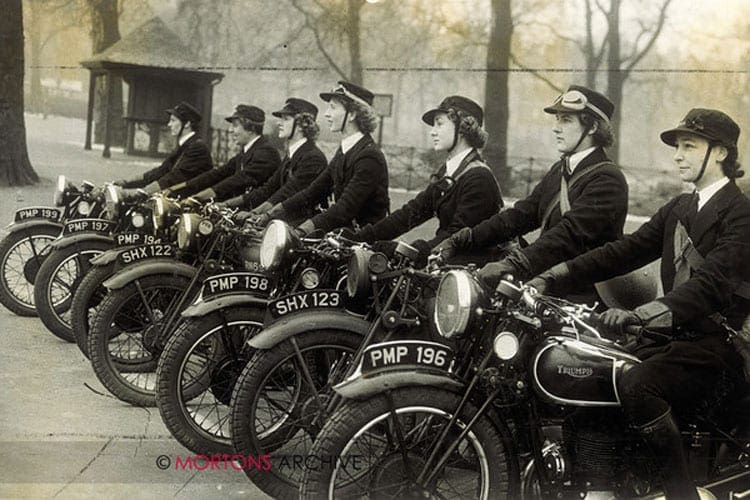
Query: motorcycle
x=67, y=258
x=32, y=229
x=519, y=400
x=284, y=397
x=201, y=362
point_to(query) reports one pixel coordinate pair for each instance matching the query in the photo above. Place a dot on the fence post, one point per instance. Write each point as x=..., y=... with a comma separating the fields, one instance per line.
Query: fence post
x=529, y=173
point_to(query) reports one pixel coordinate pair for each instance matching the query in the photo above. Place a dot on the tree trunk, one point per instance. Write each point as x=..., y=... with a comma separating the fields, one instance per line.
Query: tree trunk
x=35, y=56
x=615, y=75
x=104, y=32
x=15, y=167
x=353, y=35
x=496, y=107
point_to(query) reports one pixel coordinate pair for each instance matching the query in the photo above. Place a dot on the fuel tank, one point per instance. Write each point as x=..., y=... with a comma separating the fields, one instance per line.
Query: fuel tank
x=569, y=371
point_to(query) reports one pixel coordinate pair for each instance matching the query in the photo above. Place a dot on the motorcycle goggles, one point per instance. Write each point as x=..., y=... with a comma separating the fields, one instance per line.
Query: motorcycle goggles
x=575, y=101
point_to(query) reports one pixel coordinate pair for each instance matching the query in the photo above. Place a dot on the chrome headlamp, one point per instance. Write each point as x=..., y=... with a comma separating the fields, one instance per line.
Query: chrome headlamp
x=187, y=229
x=362, y=265
x=112, y=199
x=277, y=240
x=59, y=198
x=458, y=299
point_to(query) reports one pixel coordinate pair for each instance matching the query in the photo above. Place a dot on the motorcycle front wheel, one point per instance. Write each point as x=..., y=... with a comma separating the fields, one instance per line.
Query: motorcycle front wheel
x=20, y=258
x=197, y=373
x=370, y=449
x=86, y=301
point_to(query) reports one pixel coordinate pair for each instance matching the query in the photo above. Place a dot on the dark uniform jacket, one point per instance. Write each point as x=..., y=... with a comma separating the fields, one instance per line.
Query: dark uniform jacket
x=293, y=175
x=359, y=183
x=598, y=207
x=464, y=202
x=720, y=232
x=244, y=170
x=190, y=159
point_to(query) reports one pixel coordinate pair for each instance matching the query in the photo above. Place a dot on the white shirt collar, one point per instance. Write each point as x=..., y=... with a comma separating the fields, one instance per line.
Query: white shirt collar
x=293, y=147
x=709, y=191
x=452, y=164
x=184, y=138
x=250, y=143
x=578, y=157
x=349, y=141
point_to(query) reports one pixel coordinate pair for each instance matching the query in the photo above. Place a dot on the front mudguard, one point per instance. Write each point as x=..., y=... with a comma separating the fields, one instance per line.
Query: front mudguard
x=361, y=387
x=203, y=308
x=299, y=323
x=21, y=226
x=149, y=268
x=109, y=256
x=78, y=238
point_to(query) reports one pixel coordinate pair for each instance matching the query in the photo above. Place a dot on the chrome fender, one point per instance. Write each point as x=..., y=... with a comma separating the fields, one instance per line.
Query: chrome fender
x=299, y=323
x=20, y=226
x=202, y=308
x=362, y=387
x=147, y=268
x=73, y=239
x=109, y=256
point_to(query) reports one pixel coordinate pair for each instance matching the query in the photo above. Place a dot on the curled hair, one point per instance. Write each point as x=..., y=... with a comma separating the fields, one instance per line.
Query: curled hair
x=364, y=116
x=250, y=126
x=730, y=166
x=307, y=125
x=603, y=136
x=469, y=128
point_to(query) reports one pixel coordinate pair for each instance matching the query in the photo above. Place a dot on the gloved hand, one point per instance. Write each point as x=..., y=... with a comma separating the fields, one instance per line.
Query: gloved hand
x=459, y=240
x=128, y=194
x=555, y=275
x=386, y=247
x=305, y=228
x=260, y=220
x=349, y=234
x=616, y=320
x=424, y=249
x=191, y=203
x=493, y=272
x=262, y=208
x=242, y=216
x=120, y=182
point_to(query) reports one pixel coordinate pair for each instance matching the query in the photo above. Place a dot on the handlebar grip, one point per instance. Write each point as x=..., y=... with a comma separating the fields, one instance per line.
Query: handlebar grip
x=636, y=330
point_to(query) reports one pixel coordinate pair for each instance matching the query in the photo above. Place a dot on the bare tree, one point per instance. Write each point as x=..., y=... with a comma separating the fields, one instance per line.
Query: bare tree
x=15, y=167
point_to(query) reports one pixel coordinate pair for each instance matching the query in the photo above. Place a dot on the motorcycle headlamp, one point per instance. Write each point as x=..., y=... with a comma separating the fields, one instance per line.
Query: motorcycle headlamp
x=186, y=230
x=137, y=219
x=505, y=345
x=458, y=298
x=277, y=241
x=112, y=199
x=83, y=208
x=310, y=278
x=163, y=209
x=59, y=198
x=363, y=264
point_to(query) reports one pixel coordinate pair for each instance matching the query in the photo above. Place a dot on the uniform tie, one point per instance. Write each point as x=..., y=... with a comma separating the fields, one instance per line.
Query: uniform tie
x=567, y=172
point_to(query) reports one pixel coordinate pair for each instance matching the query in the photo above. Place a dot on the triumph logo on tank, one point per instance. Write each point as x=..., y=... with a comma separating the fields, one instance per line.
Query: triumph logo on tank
x=575, y=371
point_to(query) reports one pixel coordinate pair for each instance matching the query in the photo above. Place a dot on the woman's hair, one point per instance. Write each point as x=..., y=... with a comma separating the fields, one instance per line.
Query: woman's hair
x=364, y=116
x=469, y=128
x=252, y=127
x=307, y=124
x=603, y=136
x=730, y=166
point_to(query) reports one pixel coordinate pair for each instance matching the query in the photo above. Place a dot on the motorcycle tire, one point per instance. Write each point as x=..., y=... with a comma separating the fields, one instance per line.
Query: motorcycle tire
x=121, y=320
x=19, y=263
x=57, y=282
x=355, y=419
x=86, y=302
x=274, y=369
x=197, y=372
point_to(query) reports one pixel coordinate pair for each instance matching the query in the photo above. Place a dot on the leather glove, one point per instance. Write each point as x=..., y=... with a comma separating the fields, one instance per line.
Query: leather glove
x=388, y=247
x=616, y=320
x=260, y=220
x=305, y=228
x=424, y=249
x=349, y=234
x=493, y=272
x=549, y=279
x=277, y=212
x=459, y=240
x=242, y=216
x=262, y=208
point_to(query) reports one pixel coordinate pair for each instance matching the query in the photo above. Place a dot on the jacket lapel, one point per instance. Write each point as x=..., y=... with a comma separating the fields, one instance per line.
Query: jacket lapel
x=710, y=214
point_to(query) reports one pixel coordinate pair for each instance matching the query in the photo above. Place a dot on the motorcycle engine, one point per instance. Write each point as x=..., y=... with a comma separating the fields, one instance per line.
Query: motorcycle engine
x=594, y=441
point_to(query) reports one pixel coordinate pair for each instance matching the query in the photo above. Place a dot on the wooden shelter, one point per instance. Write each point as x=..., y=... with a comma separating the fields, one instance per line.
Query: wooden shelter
x=160, y=71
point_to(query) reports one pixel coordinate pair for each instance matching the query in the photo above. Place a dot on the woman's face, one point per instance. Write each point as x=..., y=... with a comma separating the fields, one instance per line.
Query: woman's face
x=334, y=115
x=689, y=154
x=568, y=130
x=442, y=132
x=174, y=125
x=286, y=124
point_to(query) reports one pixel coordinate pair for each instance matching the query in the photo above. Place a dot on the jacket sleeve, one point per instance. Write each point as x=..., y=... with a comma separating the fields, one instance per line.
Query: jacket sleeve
x=314, y=193
x=517, y=220
x=478, y=199
x=194, y=161
x=304, y=174
x=261, y=194
x=264, y=162
x=599, y=205
x=413, y=213
x=208, y=179
x=150, y=176
x=711, y=286
x=368, y=173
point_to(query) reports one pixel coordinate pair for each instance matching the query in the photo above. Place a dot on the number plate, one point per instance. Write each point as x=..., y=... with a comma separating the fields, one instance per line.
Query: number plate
x=240, y=282
x=133, y=238
x=407, y=352
x=47, y=213
x=313, y=299
x=145, y=252
x=102, y=226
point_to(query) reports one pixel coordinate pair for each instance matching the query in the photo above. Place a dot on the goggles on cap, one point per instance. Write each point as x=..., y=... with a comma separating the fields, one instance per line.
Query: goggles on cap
x=575, y=100
x=341, y=90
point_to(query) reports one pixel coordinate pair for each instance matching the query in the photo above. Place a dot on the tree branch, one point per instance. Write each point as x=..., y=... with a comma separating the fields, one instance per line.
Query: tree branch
x=559, y=35
x=310, y=25
x=654, y=36
x=535, y=73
